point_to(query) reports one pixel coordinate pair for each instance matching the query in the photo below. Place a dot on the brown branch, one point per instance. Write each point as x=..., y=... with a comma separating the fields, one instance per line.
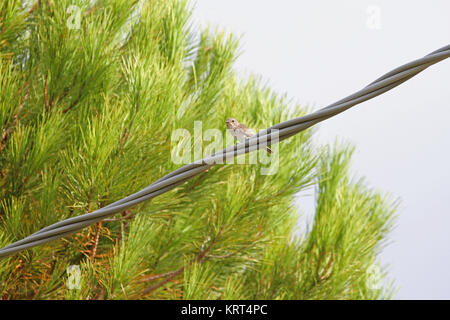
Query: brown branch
x=231, y=253
x=281, y=192
x=325, y=275
x=12, y=125
x=157, y=276
x=163, y=282
x=45, y=94
x=76, y=100
x=200, y=258
x=126, y=215
x=96, y=239
x=124, y=136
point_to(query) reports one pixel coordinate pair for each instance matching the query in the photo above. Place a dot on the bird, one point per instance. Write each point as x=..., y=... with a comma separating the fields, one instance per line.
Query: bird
x=240, y=131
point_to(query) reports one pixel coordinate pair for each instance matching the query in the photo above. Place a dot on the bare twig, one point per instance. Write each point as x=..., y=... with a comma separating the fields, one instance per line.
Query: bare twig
x=199, y=258
x=77, y=99
x=45, y=94
x=157, y=276
x=10, y=128
x=163, y=282
x=96, y=239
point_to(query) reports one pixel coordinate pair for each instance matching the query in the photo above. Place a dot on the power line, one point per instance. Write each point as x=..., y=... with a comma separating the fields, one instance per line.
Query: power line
x=274, y=134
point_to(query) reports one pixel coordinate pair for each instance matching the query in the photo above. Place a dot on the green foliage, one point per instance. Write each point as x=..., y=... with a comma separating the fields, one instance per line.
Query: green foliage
x=86, y=118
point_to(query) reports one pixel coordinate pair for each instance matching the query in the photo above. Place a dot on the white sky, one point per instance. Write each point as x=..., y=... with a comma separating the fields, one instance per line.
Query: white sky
x=321, y=51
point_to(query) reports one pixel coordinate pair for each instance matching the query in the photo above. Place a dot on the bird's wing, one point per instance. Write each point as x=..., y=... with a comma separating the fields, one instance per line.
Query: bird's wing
x=239, y=135
x=247, y=131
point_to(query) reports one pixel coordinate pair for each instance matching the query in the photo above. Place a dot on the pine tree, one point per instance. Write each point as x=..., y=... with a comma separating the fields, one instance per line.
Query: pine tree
x=91, y=92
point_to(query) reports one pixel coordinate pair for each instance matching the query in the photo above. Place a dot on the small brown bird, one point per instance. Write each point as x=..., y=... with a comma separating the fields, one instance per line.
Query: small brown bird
x=240, y=131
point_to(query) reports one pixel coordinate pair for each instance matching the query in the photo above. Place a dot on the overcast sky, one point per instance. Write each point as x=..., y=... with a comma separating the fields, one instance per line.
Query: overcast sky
x=321, y=51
